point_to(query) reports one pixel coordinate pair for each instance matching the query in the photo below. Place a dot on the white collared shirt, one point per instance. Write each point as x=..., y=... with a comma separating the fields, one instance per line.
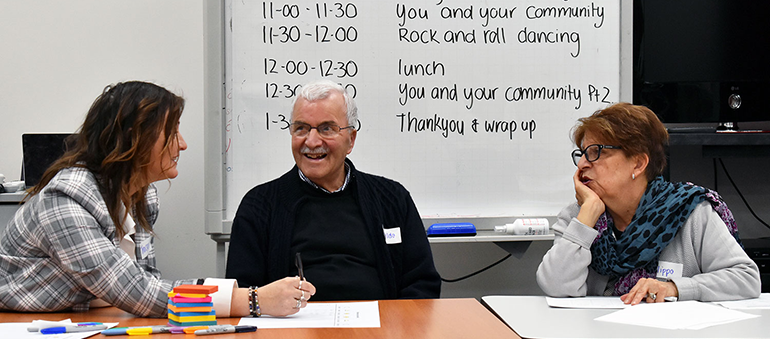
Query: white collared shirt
x=127, y=243
x=344, y=184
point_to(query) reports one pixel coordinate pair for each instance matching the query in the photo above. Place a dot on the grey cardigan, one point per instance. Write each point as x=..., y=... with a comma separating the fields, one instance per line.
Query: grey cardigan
x=715, y=267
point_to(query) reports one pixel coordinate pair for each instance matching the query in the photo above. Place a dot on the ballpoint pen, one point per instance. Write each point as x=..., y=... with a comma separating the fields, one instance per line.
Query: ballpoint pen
x=226, y=329
x=300, y=271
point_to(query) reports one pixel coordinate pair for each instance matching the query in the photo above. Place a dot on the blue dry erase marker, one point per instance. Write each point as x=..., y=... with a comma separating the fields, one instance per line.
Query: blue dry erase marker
x=38, y=325
x=72, y=329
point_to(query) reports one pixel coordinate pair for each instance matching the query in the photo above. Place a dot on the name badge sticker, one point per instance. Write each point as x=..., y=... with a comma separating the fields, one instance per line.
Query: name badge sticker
x=668, y=270
x=145, y=247
x=392, y=235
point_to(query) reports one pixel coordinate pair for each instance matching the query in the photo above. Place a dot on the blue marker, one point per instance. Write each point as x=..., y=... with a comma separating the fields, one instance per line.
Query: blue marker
x=38, y=325
x=72, y=329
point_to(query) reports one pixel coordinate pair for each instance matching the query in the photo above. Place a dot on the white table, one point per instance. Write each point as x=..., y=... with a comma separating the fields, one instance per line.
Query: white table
x=531, y=317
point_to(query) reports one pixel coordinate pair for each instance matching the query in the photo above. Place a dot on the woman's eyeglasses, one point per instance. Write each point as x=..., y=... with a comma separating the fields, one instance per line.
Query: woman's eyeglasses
x=592, y=152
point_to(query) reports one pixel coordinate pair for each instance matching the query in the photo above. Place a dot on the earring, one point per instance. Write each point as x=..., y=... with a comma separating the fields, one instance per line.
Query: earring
x=633, y=176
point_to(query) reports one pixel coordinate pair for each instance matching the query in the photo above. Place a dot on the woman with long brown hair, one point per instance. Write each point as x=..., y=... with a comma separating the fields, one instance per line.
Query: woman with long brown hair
x=84, y=236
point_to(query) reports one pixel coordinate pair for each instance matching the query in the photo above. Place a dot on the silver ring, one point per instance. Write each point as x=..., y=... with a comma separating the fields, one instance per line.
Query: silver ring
x=652, y=296
x=303, y=296
x=300, y=284
x=299, y=304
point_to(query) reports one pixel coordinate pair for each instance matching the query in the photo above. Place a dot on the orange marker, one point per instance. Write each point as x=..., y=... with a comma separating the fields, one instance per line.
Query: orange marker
x=192, y=329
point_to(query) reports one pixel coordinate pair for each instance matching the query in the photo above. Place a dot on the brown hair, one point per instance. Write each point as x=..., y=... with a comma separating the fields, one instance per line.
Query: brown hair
x=635, y=128
x=115, y=143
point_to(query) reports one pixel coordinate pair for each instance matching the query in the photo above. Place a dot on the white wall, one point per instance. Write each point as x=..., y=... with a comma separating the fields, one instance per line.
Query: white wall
x=57, y=56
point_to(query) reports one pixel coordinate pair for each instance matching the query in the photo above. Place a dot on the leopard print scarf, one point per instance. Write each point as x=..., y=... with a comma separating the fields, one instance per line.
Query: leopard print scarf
x=664, y=208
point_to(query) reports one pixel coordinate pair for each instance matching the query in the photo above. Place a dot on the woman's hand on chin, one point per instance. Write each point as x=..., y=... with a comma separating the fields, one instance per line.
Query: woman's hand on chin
x=591, y=206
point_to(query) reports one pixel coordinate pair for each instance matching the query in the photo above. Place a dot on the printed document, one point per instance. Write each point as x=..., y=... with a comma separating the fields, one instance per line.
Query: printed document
x=586, y=302
x=319, y=315
x=19, y=331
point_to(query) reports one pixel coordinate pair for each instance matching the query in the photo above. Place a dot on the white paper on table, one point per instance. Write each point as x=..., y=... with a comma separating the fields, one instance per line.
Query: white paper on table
x=586, y=302
x=691, y=315
x=19, y=330
x=319, y=315
x=763, y=302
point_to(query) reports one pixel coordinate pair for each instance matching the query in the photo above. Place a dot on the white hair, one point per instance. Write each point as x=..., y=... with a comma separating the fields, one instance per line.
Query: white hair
x=321, y=89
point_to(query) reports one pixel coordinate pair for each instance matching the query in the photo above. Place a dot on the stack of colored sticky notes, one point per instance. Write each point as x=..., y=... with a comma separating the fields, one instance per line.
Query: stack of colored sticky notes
x=191, y=305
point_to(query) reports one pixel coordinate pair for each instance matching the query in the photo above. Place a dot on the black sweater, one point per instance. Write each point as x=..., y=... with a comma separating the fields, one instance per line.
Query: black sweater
x=262, y=233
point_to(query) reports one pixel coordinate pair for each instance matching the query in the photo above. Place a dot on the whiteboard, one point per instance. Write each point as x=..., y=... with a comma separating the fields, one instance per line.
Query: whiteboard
x=469, y=104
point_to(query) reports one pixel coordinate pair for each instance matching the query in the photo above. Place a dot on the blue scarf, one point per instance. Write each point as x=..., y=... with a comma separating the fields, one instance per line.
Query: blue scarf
x=662, y=211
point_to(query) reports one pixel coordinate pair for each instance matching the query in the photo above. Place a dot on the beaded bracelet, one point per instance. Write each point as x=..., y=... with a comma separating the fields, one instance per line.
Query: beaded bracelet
x=254, y=309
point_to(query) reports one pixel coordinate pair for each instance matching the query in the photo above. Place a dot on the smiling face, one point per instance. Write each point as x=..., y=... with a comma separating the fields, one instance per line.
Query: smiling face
x=163, y=162
x=322, y=159
x=610, y=175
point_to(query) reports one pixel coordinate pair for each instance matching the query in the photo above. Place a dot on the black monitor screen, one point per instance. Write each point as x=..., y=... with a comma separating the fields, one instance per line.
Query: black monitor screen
x=40, y=151
x=703, y=40
x=702, y=60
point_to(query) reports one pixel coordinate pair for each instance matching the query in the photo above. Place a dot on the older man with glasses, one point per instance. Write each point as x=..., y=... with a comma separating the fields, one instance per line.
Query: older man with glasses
x=360, y=235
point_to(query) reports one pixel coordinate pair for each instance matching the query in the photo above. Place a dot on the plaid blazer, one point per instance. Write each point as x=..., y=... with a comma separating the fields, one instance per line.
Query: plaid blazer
x=60, y=251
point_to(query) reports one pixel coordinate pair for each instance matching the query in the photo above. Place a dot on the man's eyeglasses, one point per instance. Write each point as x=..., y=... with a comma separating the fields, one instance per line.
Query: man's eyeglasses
x=325, y=130
x=592, y=152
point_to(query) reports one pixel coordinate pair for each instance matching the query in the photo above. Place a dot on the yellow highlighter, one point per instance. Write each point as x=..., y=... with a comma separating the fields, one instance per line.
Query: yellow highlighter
x=139, y=331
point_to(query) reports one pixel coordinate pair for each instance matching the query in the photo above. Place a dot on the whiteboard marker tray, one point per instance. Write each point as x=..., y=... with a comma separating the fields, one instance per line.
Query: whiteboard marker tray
x=490, y=236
